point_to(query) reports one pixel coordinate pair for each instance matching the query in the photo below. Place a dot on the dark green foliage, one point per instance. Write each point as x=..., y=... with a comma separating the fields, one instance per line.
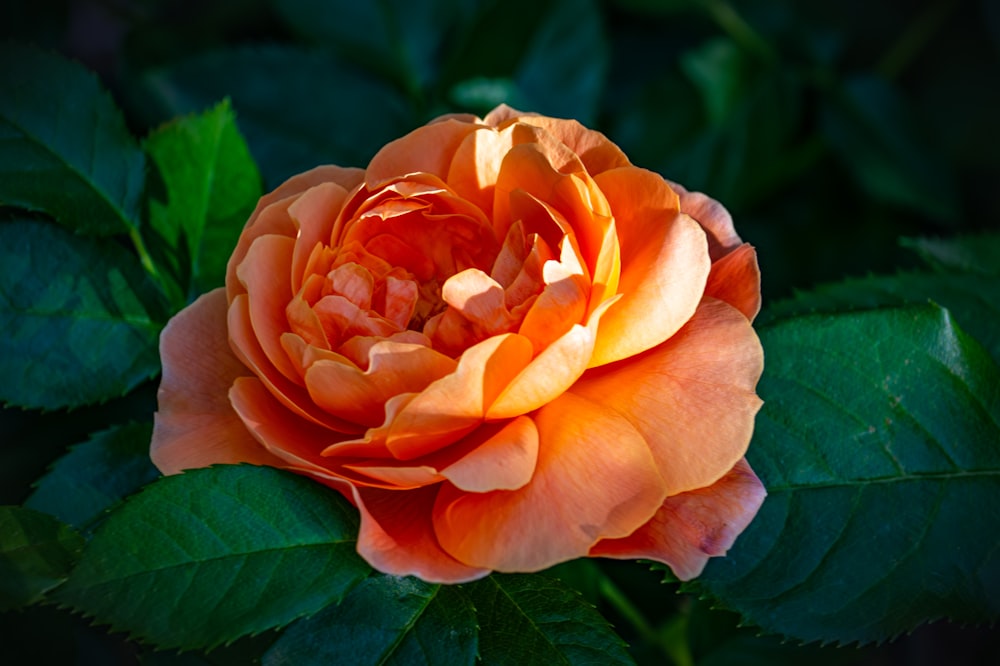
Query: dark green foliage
x=297, y=108
x=95, y=475
x=64, y=148
x=211, y=186
x=202, y=558
x=877, y=443
x=385, y=620
x=828, y=137
x=531, y=619
x=36, y=554
x=79, y=320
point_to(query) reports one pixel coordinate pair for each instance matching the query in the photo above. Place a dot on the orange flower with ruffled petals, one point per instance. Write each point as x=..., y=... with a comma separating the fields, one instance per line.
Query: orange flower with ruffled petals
x=505, y=344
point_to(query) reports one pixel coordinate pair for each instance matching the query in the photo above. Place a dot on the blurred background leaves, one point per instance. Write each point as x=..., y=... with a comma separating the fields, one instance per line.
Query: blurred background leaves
x=829, y=130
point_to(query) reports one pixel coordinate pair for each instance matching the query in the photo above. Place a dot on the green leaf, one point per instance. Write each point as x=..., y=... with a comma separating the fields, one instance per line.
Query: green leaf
x=563, y=71
x=399, y=39
x=719, y=70
x=659, y=7
x=728, y=127
x=717, y=639
x=554, y=64
x=297, y=109
x=211, y=186
x=202, y=558
x=879, y=444
x=385, y=620
x=873, y=130
x=64, y=147
x=978, y=254
x=36, y=554
x=79, y=321
x=538, y=620
x=95, y=475
x=973, y=300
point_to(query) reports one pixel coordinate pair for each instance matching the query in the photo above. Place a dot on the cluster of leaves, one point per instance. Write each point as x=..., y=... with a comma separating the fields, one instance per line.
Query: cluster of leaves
x=878, y=441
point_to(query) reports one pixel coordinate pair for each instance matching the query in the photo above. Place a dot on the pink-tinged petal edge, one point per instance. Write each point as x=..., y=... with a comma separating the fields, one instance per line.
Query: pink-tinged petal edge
x=195, y=425
x=735, y=279
x=692, y=527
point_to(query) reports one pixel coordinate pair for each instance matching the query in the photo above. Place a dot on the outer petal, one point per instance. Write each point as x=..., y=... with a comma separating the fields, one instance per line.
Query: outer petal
x=294, y=440
x=596, y=151
x=664, y=263
x=397, y=536
x=735, y=279
x=714, y=219
x=503, y=114
x=692, y=398
x=196, y=425
x=266, y=276
x=427, y=149
x=693, y=526
x=594, y=479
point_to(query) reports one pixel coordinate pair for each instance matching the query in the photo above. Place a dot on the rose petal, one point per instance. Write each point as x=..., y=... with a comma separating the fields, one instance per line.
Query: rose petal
x=427, y=149
x=315, y=213
x=735, y=279
x=497, y=456
x=550, y=373
x=342, y=320
x=360, y=396
x=397, y=536
x=498, y=460
x=291, y=395
x=372, y=445
x=693, y=526
x=533, y=169
x=289, y=437
x=195, y=425
x=451, y=406
x=583, y=490
x=664, y=263
x=714, y=219
x=595, y=150
x=475, y=165
x=527, y=170
x=277, y=221
x=480, y=300
x=265, y=274
x=397, y=477
x=503, y=114
x=692, y=397
x=562, y=303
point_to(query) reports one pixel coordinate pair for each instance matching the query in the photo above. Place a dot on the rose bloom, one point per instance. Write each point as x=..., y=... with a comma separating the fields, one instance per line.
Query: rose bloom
x=505, y=344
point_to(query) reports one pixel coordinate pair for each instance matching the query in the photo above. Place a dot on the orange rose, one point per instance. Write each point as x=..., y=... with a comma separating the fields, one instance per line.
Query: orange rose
x=503, y=343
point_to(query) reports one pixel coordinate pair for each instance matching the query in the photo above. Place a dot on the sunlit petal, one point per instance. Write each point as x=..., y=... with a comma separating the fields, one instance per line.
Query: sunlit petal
x=560, y=514
x=692, y=397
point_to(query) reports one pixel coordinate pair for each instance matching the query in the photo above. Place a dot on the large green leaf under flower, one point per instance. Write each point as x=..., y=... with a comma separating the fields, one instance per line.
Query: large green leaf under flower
x=879, y=443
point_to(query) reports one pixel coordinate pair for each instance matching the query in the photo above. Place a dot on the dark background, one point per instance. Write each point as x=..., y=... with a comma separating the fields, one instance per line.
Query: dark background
x=829, y=130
